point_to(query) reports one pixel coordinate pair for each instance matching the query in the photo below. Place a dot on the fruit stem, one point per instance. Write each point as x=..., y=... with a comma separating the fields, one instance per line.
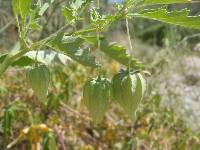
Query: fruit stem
x=130, y=43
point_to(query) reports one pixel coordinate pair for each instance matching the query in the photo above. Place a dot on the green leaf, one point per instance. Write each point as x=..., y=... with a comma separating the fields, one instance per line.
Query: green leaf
x=48, y=57
x=23, y=61
x=180, y=18
x=21, y=7
x=155, y=2
x=71, y=46
x=118, y=53
x=68, y=13
x=45, y=57
x=89, y=39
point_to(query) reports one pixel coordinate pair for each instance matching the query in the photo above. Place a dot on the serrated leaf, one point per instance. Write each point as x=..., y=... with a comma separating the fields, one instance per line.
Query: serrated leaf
x=118, y=53
x=46, y=57
x=71, y=46
x=155, y=2
x=180, y=18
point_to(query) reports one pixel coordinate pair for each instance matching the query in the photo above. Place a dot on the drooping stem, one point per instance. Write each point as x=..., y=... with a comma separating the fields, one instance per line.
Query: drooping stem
x=98, y=40
x=130, y=43
x=128, y=34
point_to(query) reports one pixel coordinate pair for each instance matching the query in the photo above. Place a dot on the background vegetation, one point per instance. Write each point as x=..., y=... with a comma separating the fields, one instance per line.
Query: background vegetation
x=168, y=118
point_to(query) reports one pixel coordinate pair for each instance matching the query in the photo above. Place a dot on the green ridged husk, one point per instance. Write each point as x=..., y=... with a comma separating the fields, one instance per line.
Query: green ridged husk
x=39, y=79
x=128, y=89
x=96, y=97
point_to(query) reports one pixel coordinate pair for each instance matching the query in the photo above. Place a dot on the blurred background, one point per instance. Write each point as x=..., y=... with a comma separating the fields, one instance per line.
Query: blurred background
x=169, y=117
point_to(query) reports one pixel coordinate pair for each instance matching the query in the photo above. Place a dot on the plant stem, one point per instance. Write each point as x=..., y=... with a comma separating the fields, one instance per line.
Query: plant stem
x=129, y=37
x=130, y=43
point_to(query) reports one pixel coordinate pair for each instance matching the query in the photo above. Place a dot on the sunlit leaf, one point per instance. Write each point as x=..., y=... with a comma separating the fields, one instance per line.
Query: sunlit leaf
x=154, y=2
x=180, y=18
x=89, y=39
x=71, y=46
x=118, y=53
x=47, y=57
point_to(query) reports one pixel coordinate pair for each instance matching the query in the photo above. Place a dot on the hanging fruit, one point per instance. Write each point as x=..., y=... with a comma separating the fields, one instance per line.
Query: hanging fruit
x=128, y=89
x=39, y=79
x=96, y=97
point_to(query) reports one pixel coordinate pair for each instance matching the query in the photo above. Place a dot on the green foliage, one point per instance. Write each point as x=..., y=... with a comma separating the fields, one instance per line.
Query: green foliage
x=71, y=46
x=155, y=2
x=68, y=13
x=78, y=40
x=180, y=18
x=44, y=57
x=118, y=53
x=23, y=61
